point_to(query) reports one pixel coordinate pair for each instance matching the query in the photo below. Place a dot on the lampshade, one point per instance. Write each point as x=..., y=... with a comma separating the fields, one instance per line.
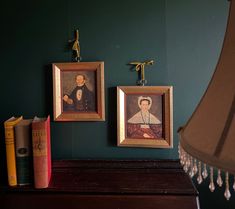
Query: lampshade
x=209, y=135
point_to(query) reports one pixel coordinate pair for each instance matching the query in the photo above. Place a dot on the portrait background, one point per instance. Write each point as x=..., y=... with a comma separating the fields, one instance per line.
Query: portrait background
x=132, y=106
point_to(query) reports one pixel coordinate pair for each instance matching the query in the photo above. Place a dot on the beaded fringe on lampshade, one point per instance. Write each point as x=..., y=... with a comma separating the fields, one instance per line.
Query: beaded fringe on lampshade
x=198, y=169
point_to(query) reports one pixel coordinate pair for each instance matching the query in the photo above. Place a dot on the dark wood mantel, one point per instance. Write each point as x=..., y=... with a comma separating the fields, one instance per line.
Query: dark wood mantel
x=108, y=184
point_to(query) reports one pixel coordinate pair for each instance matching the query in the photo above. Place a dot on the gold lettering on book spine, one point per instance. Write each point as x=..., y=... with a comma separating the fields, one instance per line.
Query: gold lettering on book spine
x=39, y=143
x=9, y=135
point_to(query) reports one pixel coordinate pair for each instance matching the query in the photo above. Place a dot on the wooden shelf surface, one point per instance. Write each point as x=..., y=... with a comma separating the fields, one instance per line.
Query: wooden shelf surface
x=113, y=181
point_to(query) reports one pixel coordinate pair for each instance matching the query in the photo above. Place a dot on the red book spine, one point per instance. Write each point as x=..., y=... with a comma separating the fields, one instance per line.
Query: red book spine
x=41, y=152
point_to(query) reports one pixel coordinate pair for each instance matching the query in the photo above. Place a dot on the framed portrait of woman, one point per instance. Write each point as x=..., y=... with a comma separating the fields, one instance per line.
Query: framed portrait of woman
x=145, y=117
x=78, y=91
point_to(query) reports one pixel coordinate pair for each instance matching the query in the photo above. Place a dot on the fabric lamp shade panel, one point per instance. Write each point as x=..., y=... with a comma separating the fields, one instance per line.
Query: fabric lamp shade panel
x=209, y=135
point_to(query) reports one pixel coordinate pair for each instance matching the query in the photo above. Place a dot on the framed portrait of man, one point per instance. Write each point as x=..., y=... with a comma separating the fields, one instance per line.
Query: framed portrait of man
x=78, y=91
x=145, y=117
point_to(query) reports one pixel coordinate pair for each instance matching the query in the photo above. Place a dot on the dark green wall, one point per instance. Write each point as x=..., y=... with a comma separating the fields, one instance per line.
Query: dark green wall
x=36, y=35
x=184, y=37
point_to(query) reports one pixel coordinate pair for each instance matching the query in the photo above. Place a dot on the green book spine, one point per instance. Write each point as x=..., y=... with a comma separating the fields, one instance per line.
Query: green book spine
x=24, y=176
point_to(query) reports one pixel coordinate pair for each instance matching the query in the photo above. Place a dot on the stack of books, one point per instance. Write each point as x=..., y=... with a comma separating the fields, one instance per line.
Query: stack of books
x=28, y=151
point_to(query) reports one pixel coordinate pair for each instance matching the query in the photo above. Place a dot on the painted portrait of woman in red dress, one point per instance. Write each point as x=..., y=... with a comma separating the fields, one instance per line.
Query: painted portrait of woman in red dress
x=145, y=123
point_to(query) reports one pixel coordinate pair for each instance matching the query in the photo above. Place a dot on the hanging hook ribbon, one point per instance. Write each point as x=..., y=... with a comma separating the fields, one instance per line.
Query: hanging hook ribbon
x=76, y=47
x=140, y=66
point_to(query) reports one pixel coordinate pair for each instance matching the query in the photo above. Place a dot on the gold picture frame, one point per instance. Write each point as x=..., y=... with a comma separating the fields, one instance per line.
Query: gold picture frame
x=144, y=116
x=78, y=91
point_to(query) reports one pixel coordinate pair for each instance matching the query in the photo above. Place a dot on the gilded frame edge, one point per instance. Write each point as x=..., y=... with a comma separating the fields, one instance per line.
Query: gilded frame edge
x=166, y=142
x=58, y=114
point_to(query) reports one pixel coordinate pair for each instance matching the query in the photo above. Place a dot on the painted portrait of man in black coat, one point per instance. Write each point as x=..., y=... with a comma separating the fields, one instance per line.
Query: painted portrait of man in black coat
x=81, y=98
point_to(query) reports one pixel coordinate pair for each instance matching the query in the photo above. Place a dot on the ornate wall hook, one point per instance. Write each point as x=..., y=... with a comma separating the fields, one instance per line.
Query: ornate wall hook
x=76, y=47
x=140, y=66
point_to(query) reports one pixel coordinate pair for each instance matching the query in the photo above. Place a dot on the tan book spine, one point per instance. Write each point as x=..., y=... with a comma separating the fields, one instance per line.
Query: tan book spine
x=23, y=146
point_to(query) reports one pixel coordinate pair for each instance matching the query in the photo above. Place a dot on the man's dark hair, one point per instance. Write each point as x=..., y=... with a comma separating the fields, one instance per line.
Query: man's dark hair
x=84, y=77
